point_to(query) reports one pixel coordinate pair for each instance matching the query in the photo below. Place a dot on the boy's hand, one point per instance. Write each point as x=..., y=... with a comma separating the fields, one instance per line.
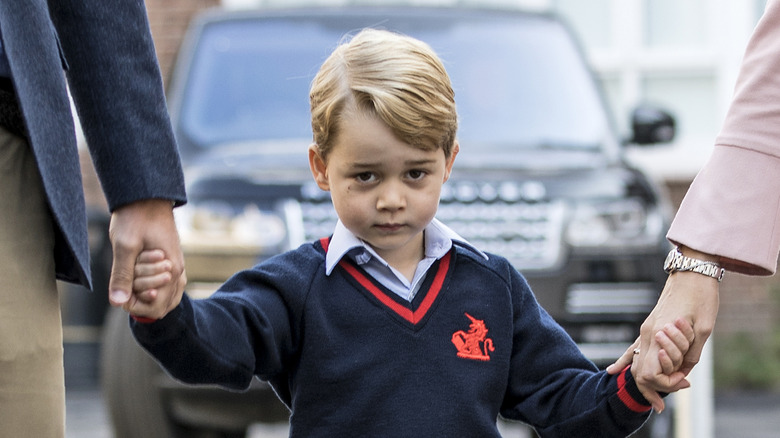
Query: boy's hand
x=674, y=341
x=151, y=272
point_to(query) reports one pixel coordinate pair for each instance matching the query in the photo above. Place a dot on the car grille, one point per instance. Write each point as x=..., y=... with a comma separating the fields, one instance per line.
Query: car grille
x=493, y=218
x=611, y=298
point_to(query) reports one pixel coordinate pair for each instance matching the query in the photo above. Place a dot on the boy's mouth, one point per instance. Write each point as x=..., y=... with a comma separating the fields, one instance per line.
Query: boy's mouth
x=388, y=228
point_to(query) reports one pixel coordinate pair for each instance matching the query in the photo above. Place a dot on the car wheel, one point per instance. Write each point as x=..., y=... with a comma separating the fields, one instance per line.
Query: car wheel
x=659, y=425
x=129, y=377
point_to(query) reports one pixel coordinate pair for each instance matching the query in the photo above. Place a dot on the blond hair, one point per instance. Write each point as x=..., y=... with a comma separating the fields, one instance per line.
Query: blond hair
x=395, y=77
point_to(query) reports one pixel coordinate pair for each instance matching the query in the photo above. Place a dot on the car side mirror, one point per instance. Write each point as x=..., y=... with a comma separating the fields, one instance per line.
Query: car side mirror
x=651, y=125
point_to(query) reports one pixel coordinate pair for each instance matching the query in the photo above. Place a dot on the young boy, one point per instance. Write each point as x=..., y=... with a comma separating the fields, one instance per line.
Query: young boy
x=394, y=326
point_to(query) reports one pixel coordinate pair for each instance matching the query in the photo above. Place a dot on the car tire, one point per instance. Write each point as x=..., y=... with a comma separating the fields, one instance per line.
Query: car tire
x=129, y=377
x=659, y=425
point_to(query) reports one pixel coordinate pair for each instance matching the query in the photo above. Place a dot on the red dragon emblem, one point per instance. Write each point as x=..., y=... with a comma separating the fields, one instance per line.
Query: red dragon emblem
x=473, y=344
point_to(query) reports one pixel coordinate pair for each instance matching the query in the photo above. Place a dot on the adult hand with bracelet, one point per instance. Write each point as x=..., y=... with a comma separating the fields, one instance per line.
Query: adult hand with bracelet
x=731, y=208
x=690, y=293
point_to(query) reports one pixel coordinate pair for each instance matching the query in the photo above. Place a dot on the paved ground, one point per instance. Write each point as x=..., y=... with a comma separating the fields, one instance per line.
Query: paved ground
x=86, y=415
x=740, y=415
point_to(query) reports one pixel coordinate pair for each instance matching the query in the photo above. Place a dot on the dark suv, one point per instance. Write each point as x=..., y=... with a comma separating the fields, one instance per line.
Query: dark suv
x=540, y=179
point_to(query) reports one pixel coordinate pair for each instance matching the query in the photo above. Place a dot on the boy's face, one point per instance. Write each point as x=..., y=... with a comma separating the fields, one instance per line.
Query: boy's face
x=384, y=190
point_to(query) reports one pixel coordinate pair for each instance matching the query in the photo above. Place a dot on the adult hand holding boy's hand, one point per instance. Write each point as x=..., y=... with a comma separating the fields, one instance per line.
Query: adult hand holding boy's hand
x=139, y=226
x=673, y=342
x=687, y=296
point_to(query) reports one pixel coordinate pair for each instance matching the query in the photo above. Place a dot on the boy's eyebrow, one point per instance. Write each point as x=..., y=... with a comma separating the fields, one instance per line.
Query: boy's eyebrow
x=362, y=164
x=421, y=162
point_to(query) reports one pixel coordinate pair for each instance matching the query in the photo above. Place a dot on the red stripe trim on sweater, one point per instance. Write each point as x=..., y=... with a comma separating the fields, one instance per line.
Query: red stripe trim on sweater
x=433, y=292
x=412, y=316
x=143, y=319
x=404, y=312
x=625, y=397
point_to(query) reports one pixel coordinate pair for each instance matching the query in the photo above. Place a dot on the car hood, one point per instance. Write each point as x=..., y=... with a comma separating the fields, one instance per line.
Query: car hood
x=278, y=161
x=573, y=174
x=288, y=160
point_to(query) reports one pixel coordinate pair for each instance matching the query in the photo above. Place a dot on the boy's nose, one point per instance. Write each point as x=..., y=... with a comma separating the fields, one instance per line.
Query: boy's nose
x=391, y=197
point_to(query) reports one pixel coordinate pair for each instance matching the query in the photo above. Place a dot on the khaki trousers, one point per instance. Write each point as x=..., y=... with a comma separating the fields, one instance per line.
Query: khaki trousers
x=32, y=383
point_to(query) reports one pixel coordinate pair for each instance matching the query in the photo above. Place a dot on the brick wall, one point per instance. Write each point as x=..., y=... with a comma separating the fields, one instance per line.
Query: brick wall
x=168, y=20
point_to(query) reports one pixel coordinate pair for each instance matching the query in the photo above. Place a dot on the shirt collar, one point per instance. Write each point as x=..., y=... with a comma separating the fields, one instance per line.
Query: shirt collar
x=438, y=241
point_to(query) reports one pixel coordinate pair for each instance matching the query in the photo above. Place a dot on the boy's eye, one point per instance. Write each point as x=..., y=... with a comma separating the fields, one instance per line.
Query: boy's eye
x=365, y=177
x=416, y=174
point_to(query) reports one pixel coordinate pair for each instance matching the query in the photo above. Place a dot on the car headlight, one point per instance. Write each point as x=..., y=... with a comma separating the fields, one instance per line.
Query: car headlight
x=616, y=223
x=221, y=227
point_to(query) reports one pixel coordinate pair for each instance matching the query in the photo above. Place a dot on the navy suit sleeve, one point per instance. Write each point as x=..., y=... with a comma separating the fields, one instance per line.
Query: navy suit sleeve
x=116, y=85
x=554, y=388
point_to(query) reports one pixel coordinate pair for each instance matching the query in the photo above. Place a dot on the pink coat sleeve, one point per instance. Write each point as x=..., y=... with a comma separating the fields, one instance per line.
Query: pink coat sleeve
x=732, y=209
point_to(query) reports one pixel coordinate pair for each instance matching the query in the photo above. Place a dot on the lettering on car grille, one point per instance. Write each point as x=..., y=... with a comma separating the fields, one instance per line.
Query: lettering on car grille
x=495, y=218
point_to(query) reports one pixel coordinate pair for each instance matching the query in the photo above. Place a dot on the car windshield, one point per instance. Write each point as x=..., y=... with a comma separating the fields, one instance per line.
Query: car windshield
x=518, y=82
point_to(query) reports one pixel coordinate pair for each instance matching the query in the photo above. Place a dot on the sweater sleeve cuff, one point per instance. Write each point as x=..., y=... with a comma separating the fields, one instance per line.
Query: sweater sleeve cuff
x=149, y=330
x=142, y=319
x=629, y=394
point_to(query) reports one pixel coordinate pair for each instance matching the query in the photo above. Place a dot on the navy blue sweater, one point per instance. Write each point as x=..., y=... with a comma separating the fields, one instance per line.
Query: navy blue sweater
x=350, y=358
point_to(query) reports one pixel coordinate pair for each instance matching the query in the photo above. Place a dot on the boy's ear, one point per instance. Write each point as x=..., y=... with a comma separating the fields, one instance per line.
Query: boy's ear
x=451, y=161
x=318, y=167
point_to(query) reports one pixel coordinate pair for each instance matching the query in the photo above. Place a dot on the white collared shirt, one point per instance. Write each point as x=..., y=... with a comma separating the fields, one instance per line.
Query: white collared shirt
x=438, y=240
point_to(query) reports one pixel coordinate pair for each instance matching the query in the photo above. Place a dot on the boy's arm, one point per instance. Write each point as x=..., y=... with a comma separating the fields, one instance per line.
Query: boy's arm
x=241, y=331
x=177, y=336
x=558, y=391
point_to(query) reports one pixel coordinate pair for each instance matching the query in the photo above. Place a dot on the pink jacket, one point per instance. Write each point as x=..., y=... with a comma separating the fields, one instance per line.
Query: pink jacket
x=732, y=209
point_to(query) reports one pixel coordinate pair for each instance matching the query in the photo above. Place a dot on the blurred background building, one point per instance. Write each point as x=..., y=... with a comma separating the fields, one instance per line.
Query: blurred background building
x=682, y=55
